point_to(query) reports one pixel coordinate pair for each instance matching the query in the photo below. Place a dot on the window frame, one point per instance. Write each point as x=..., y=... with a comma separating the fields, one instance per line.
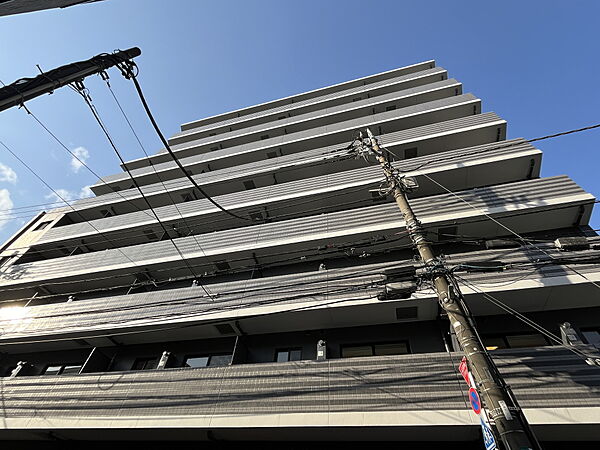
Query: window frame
x=372, y=345
x=62, y=367
x=289, y=351
x=210, y=357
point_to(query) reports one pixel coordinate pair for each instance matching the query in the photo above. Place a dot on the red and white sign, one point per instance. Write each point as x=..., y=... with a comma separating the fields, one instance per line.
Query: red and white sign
x=464, y=370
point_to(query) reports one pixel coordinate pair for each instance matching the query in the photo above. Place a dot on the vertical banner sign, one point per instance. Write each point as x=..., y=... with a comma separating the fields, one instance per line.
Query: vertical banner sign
x=464, y=369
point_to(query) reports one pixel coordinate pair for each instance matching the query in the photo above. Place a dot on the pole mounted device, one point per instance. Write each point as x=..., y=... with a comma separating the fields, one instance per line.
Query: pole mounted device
x=511, y=427
x=24, y=89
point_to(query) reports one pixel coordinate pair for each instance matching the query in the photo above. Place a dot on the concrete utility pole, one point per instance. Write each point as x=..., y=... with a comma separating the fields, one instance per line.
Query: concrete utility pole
x=25, y=89
x=511, y=426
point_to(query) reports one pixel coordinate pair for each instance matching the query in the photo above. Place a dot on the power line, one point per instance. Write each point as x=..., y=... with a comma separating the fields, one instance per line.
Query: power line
x=128, y=72
x=526, y=320
x=86, y=98
x=59, y=196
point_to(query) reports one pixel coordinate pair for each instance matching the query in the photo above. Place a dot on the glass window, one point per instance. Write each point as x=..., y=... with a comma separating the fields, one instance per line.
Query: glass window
x=42, y=225
x=288, y=354
x=395, y=348
x=384, y=348
x=526, y=340
x=62, y=369
x=592, y=337
x=53, y=370
x=145, y=364
x=71, y=369
x=219, y=360
x=196, y=361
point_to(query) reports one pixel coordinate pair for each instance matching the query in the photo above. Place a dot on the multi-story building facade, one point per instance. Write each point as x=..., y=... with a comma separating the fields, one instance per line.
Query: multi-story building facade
x=273, y=323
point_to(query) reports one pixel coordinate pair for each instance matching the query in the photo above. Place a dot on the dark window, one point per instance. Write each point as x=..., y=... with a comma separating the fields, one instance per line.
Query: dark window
x=447, y=233
x=62, y=369
x=207, y=361
x=212, y=149
x=288, y=354
x=42, y=225
x=249, y=184
x=592, y=337
x=151, y=235
x=356, y=99
x=282, y=117
x=272, y=155
x=264, y=136
x=515, y=341
x=105, y=213
x=4, y=260
x=409, y=312
x=187, y=197
x=212, y=134
x=378, y=349
x=390, y=108
x=222, y=265
x=145, y=364
x=64, y=250
x=410, y=153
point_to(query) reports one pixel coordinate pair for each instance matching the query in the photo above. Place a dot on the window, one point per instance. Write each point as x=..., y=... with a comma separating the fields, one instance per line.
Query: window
x=288, y=354
x=514, y=341
x=62, y=369
x=357, y=99
x=145, y=364
x=410, y=153
x=271, y=155
x=592, y=337
x=151, y=235
x=447, y=233
x=264, y=136
x=249, y=184
x=42, y=225
x=187, y=197
x=222, y=265
x=105, y=213
x=207, y=361
x=212, y=134
x=379, y=349
x=390, y=108
x=4, y=260
x=212, y=149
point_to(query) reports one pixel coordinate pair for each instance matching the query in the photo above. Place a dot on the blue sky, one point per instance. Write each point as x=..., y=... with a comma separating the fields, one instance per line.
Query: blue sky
x=534, y=63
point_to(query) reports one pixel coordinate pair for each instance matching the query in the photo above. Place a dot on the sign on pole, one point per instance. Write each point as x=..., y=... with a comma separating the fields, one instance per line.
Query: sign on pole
x=475, y=401
x=488, y=436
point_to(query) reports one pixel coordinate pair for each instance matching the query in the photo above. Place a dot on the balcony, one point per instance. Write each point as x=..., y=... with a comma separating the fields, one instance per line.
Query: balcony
x=409, y=397
x=287, y=192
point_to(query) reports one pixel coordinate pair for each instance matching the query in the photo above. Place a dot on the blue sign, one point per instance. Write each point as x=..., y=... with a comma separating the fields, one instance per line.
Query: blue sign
x=488, y=437
x=474, y=399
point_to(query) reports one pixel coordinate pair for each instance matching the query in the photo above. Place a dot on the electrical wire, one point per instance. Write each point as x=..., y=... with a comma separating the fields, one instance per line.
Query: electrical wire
x=34, y=173
x=87, y=99
x=526, y=320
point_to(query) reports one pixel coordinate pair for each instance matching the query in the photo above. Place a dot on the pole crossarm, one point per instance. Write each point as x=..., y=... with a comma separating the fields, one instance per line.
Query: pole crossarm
x=24, y=89
x=510, y=426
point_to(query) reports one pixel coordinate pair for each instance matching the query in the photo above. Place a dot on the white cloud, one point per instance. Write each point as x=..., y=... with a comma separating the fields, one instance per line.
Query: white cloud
x=7, y=174
x=86, y=192
x=81, y=156
x=6, y=205
x=60, y=196
x=64, y=195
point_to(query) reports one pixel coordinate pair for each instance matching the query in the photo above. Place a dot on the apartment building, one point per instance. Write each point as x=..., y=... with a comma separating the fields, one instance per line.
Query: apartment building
x=280, y=316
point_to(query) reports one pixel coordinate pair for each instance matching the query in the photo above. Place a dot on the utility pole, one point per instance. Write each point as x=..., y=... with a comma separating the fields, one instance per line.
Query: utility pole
x=25, y=89
x=512, y=428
